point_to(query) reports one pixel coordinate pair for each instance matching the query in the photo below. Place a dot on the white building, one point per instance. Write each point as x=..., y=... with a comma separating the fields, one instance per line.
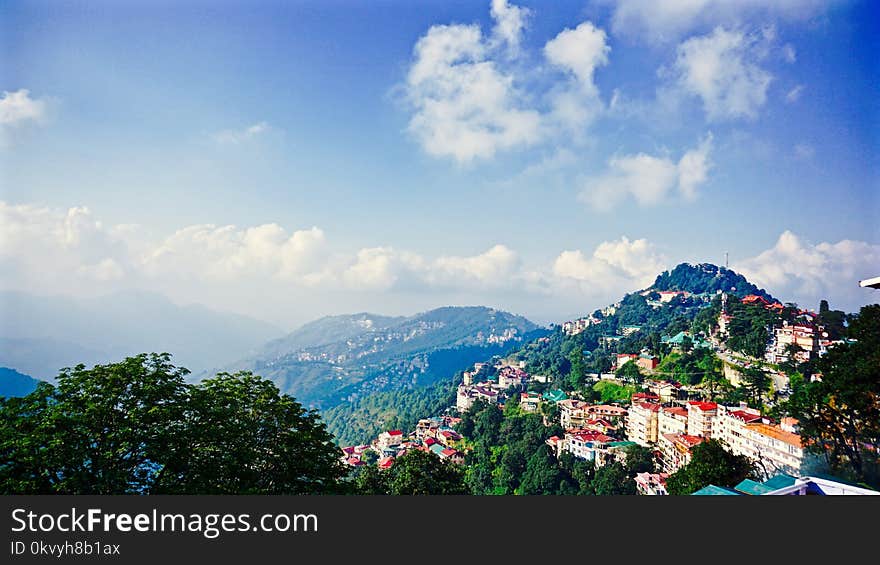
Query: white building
x=584, y=444
x=672, y=420
x=651, y=484
x=572, y=413
x=700, y=416
x=466, y=395
x=775, y=448
x=641, y=423
x=675, y=450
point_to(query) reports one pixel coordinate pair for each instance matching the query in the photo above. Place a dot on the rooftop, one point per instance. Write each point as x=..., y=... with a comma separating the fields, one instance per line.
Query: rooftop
x=776, y=433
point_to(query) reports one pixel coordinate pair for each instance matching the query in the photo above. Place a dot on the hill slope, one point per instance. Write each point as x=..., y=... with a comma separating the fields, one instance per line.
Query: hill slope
x=341, y=358
x=13, y=383
x=706, y=278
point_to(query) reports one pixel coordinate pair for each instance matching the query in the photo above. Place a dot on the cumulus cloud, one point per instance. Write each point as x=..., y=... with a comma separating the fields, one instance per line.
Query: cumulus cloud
x=18, y=107
x=464, y=88
x=622, y=265
x=693, y=168
x=53, y=248
x=465, y=106
x=669, y=20
x=648, y=179
x=17, y=110
x=722, y=69
x=808, y=272
x=229, y=252
x=577, y=52
x=510, y=21
x=47, y=249
x=493, y=268
x=238, y=136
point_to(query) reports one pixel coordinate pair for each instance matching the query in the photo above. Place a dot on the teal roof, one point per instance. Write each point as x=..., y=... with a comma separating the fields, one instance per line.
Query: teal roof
x=620, y=443
x=749, y=486
x=712, y=490
x=678, y=339
x=555, y=395
x=779, y=481
x=437, y=448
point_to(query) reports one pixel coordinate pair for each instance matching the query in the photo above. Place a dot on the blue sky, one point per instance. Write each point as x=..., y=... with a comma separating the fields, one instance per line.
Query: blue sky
x=289, y=160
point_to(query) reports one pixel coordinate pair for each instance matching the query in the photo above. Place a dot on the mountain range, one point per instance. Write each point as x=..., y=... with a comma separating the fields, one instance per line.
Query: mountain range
x=340, y=358
x=13, y=383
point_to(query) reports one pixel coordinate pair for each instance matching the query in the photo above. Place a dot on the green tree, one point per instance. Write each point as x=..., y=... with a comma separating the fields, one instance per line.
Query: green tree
x=542, y=475
x=137, y=427
x=840, y=413
x=105, y=430
x=711, y=464
x=420, y=472
x=243, y=437
x=577, y=375
x=613, y=479
x=371, y=480
x=756, y=383
x=639, y=459
x=629, y=372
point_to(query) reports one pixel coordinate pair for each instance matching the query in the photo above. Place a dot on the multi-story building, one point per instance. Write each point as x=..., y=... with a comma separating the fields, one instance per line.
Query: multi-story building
x=672, y=420
x=665, y=390
x=700, y=416
x=675, y=450
x=529, y=401
x=776, y=448
x=389, y=439
x=512, y=377
x=466, y=395
x=572, y=413
x=651, y=483
x=641, y=424
x=805, y=336
x=584, y=444
x=610, y=412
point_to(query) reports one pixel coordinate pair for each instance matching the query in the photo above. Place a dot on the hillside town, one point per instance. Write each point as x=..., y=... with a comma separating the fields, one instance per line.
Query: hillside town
x=659, y=420
x=665, y=416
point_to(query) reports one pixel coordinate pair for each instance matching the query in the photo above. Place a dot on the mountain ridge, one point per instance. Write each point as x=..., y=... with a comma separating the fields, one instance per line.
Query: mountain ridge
x=373, y=352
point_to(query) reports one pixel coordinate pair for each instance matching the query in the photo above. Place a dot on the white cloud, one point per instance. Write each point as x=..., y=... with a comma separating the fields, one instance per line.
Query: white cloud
x=796, y=270
x=693, y=168
x=463, y=88
x=668, y=20
x=237, y=136
x=648, y=179
x=41, y=247
x=18, y=107
x=789, y=53
x=578, y=52
x=229, y=252
x=615, y=266
x=794, y=94
x=465, y=106
x=17, y=110
x=493, y=268
x=722, y=70
x=510, y=21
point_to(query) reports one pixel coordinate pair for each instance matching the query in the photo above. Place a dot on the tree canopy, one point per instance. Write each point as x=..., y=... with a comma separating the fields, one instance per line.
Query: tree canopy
x=711, y=464
x=839, y=413
x=137, y=427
